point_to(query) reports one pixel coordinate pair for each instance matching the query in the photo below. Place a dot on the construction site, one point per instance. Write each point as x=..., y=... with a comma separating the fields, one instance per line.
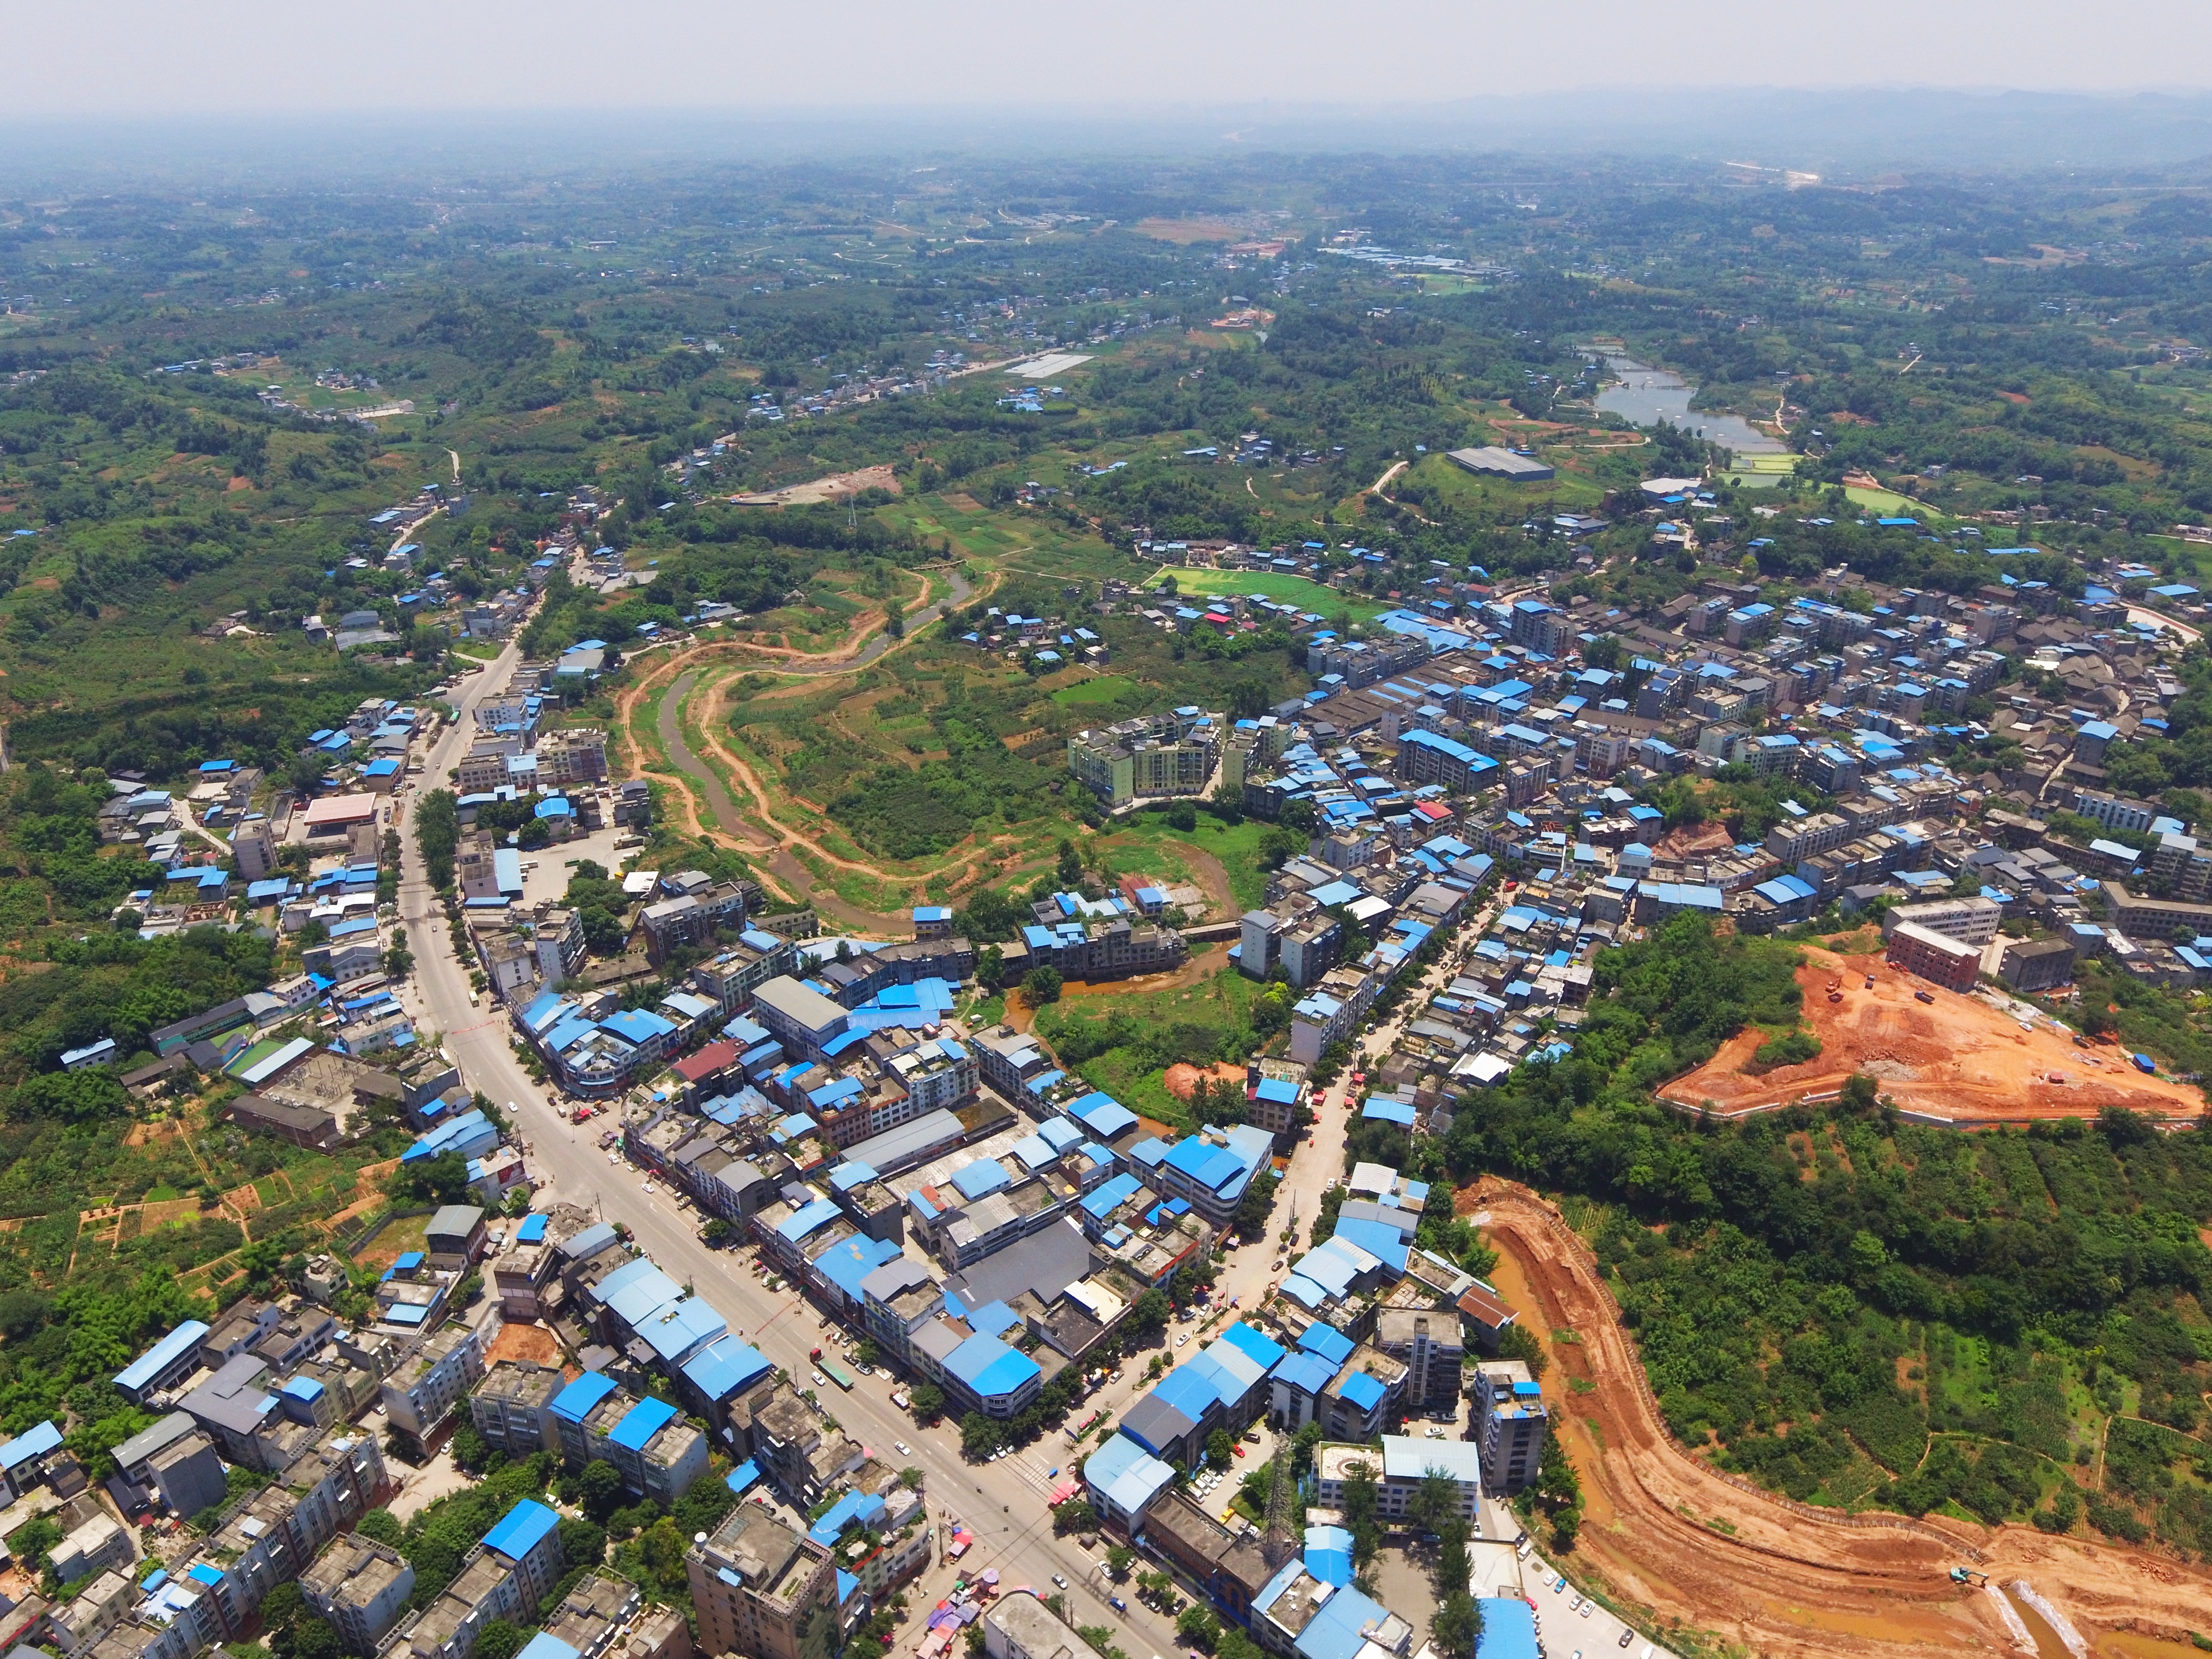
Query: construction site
x=1707, y=1558
x=1942, y=1055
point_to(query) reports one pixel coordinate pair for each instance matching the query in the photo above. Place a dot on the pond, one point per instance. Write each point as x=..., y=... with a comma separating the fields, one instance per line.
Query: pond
x=1644, y=396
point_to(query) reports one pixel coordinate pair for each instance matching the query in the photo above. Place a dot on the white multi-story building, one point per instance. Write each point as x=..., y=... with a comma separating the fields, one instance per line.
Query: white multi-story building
x=430, y=1382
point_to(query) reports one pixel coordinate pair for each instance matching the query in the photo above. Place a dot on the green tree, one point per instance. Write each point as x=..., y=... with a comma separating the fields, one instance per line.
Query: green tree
x=499, y=1639
x=1148, y=1313
x=437, y=836
x=582, y=1543
x=1435, y=1501
x=1070, y=867
x=440, y=1180
x=1040, y=986
x=1198, y=1627
x=1220, y=1447
x=599, y=1488
x=980, y=1436
x=1258, y=1202
x=1362, y=1511
x=928, y=1403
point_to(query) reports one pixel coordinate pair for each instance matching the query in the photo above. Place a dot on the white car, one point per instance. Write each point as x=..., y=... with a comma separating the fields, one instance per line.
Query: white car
x=902, y=1448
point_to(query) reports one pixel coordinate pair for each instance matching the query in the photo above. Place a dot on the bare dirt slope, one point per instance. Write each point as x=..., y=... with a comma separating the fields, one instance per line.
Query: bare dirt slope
x=1665, y=1532
x=824, y=489
x=1955, y=1057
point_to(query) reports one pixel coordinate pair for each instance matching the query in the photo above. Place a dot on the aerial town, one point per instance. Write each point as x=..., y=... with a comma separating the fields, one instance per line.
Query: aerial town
x=994, y=909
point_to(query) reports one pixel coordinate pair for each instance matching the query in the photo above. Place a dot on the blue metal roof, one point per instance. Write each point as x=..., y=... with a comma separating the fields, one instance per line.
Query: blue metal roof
x=1509, y=1629
x=1363, y=1391
x=989, y=1367
x=546, y=1646
x=1189, y=1392
x=724, y=1367
x=32, y=1443
x=849, y=1260
x=1126, y=1475
x=1328, y=1555
x=574, y=1402
x=1327, y=1341
x=681, y=1327
x=1110, y=1193
x=1308, y=1373
x=640, y=1423
x=981, y=1178
x=141, y=1372
x=522, y=1530
x=819, y=1213
x=1253, y=1345
x=862, y=1506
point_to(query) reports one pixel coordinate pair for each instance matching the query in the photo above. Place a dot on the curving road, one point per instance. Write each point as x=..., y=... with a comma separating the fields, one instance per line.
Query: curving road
x=782, y=863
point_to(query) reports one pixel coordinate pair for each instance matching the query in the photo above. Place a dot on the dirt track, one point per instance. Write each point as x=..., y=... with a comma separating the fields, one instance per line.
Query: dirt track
x=1956, y=1057
x=1784, y=1579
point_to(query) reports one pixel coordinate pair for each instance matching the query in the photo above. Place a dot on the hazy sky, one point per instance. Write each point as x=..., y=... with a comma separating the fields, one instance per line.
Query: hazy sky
x=248, y=57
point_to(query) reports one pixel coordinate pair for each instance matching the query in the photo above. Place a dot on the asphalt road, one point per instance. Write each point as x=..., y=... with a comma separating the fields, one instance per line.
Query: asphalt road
x=1002, y=1503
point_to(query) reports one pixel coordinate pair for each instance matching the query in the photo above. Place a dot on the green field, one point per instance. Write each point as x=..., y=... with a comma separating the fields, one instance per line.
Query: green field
x=1886, y=502
x=1101, y=689
x=1293, y=590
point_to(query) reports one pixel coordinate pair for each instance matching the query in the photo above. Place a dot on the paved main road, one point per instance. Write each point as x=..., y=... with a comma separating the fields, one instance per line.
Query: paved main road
x=1002, y=1503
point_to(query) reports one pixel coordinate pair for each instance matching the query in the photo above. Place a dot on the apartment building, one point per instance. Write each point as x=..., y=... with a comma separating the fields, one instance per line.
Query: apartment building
x=505, y=1576
x=1399, y=1470
x=1095, y=951
x=1948, y=962
x=512, y=1407
x=573, y=754
x=1969, y=920
x=1158, y=756
x=421, y=1393
x=757, y=1585
x=1431, y=1345
x=1511, y=1420
x=360, y=1588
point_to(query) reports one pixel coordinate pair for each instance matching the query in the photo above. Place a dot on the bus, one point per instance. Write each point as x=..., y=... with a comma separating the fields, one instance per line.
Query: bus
x=837, y=1373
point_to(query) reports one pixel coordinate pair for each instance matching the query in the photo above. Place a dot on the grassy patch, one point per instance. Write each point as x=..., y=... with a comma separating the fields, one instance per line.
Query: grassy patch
x=1887, y=503
x=1101, y=689
x=1208, y=1021
x=1290, y=590
x=1145, y=842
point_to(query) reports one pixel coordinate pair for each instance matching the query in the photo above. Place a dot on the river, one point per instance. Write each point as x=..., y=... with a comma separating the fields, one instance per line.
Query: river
x=1644, y=396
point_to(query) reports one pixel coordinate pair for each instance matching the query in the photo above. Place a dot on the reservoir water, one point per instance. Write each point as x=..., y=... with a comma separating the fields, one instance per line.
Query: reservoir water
x=1644, y=396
